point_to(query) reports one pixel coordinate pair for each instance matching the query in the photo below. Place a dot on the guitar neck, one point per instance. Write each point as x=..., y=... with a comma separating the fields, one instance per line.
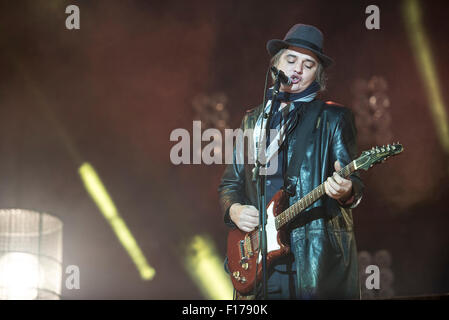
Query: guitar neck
x=289, y=214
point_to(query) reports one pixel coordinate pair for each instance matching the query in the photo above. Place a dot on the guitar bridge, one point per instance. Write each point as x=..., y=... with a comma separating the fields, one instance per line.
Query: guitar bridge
x=246, y=251
x=242, y=252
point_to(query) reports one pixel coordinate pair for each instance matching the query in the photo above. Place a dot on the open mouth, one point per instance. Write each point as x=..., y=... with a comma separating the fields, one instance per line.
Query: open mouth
x=295, y=79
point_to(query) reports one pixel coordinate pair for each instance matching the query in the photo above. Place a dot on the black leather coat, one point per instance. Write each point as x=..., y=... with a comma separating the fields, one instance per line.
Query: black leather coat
x=326, y=251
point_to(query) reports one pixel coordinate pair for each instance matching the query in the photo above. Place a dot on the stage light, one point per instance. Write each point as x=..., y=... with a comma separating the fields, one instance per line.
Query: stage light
x=211, y=110
x=371, y=106
x=30, y=255
x=19, y=276
x=98, y=192
x=423, y=55
x=206, y=268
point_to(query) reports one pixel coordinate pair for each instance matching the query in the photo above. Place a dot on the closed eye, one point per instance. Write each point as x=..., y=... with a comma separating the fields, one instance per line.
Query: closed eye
x=291, y=58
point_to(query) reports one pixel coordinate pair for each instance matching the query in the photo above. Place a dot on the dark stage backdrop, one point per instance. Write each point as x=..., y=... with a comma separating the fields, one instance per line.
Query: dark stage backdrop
x=111, y=93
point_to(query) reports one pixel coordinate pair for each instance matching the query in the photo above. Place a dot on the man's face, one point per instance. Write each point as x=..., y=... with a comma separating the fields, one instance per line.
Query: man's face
x=300, y=65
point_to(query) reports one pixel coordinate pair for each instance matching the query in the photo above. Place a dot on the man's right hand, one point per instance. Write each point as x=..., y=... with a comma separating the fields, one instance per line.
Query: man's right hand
x=246, y=217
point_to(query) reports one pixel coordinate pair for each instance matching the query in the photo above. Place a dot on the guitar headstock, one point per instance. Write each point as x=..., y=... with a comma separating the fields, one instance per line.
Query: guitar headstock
x=377, y=155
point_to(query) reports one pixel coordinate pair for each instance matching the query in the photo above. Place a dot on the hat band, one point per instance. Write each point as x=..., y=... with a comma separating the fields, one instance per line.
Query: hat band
x=305, y=43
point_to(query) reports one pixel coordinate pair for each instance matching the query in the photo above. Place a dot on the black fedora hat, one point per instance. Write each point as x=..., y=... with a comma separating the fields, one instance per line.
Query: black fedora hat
x=302, y=36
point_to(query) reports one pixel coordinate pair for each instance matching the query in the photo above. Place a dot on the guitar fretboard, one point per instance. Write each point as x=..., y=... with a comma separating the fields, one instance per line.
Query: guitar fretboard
x=289, y=214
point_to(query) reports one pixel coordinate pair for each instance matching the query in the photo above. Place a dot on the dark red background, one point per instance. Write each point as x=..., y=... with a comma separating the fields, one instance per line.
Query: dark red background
x=117, y=87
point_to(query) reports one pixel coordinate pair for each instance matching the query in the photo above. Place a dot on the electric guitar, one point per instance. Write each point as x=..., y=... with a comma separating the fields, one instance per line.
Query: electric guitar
x=243, y=247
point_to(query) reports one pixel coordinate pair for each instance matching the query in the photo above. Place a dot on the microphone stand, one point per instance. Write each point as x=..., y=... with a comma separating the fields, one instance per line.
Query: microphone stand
x=262, y=188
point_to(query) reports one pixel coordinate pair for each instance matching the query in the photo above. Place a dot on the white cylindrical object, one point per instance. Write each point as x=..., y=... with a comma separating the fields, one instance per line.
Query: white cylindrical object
x=30, y=255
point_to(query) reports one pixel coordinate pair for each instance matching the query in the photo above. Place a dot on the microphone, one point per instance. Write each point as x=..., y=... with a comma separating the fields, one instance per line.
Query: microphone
x=281, y=75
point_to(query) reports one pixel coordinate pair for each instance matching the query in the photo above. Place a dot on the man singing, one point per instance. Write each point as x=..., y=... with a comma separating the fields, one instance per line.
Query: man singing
x=320, y=139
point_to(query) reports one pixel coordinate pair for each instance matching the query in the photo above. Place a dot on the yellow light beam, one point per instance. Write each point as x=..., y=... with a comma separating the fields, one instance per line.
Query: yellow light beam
x=91, y=180
x=98, y=192
x=423, y=55
x=206, y=268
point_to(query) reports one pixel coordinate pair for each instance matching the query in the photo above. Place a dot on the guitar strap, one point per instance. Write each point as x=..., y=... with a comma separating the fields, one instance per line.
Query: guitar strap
x=302, y=133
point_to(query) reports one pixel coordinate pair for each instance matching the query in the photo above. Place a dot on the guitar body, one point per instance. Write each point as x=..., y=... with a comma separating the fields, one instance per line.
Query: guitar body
x=243, y=247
